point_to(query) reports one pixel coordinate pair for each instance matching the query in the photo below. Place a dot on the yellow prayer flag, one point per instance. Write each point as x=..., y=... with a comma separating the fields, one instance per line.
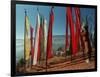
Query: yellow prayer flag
x=26, y=40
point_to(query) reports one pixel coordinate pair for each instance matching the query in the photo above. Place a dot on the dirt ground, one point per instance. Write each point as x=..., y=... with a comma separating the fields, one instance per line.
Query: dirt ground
x=60, y=64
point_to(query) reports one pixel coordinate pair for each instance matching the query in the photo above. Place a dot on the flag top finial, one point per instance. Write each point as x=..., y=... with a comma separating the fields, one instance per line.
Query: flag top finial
x=25, y=12
x=38, y=9
x=52, y=7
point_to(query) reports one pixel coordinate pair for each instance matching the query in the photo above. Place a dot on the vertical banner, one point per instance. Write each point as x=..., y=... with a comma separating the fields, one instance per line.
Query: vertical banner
x=72, y=33
x=26, y=40
x=31, y=41
x=78, y=26
x=36, y=44
x=49, y=38
x=44, y=37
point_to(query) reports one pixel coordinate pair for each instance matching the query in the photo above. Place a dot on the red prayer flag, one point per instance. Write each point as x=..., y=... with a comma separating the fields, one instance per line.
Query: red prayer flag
x=31, y=39
x=78, y=24
x=72, y=34
x=49, y=38
x=38, y=56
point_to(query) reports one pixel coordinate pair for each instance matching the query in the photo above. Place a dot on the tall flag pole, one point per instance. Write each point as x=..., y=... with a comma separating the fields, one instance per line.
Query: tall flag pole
x=26, y=41
x=87, y=36
x=41, y=38
x=49, y=37
x=31, y=41
x=66, y=39
x=36, y=44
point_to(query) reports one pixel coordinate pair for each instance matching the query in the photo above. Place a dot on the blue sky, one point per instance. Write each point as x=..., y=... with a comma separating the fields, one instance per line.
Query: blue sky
x=59, y=18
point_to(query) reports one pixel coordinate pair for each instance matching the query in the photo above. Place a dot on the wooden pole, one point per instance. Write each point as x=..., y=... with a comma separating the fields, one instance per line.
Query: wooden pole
x=24, y=41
